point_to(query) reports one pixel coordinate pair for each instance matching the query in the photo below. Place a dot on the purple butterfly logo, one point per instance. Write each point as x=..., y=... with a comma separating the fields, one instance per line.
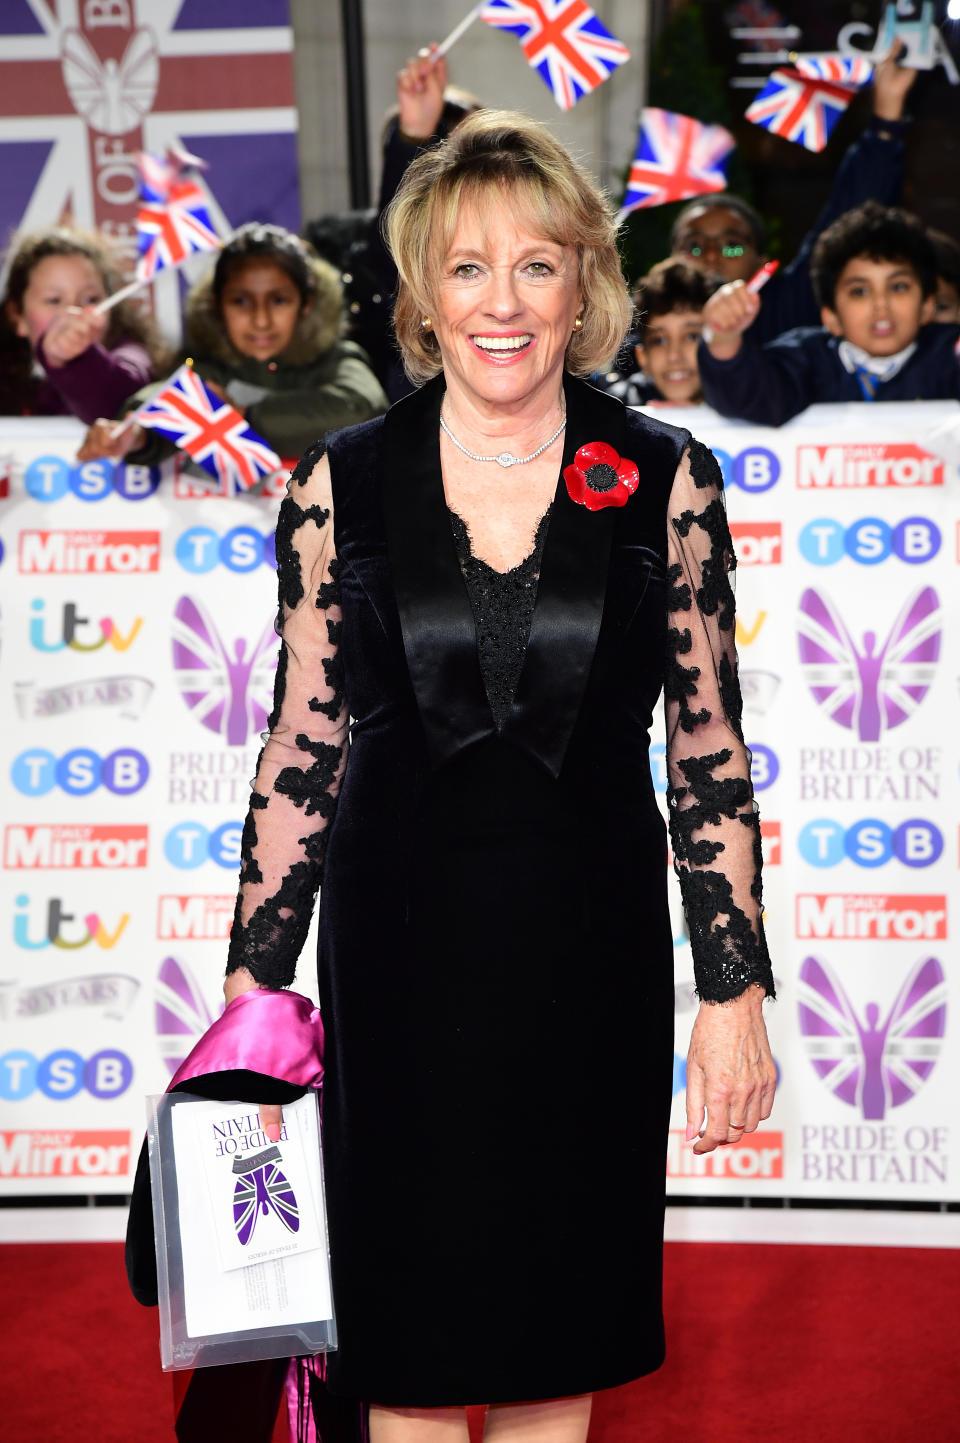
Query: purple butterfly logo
x=871, y=1064
x=180, y=1012
x=229, y=691
x=260, y=1189
x=869, y=689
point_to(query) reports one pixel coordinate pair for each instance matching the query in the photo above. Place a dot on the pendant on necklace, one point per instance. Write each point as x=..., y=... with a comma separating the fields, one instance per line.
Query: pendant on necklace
x=506, y=458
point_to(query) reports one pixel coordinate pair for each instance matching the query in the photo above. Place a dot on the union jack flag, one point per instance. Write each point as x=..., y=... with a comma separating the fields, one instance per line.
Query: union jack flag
x=563, y=40
x=214, y=434
x=799, y=108
x=173, y=221
x=853, y=70
x=677, y=157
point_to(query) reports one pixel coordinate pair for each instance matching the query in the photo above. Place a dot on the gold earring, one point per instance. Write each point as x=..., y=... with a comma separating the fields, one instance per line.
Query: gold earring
x=426, y=323
x=578, y=323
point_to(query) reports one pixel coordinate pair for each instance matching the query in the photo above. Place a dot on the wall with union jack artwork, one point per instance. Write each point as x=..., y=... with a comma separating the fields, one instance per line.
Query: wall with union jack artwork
x=135, y=676
x=85, y=84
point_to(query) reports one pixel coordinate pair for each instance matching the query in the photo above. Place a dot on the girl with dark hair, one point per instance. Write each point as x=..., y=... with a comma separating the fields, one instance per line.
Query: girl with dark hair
x=265, y=331
x=57, y=355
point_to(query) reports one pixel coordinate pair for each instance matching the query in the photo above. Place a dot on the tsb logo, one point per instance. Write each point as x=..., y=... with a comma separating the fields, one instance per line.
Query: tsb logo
x=189, y=845
x=824, y=542
x=870, y=843
x=755, y=469
x=63, y=1074
x=241, y=549
x=48, y=478
x=79, y=772
x=764, y=766
x=757, y=543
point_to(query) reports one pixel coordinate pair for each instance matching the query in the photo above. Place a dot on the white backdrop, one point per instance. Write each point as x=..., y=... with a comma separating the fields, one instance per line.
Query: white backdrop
x=135, y=675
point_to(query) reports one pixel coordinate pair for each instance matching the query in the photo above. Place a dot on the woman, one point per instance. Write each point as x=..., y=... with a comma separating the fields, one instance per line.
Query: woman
x=495, y=946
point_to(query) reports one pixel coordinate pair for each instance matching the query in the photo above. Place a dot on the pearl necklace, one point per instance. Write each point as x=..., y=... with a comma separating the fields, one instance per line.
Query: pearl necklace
x=506, y=458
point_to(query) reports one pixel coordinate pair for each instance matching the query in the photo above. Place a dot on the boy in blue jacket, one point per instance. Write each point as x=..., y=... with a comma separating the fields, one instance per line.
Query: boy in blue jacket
x=874, y=272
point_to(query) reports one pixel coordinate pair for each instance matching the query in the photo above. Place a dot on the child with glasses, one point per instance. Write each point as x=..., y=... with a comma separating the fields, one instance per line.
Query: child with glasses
x=724, y=235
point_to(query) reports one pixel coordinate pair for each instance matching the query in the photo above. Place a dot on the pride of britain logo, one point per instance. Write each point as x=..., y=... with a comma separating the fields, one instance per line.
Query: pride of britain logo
x=227, y=686
x=869, y=1062
x=872, y=687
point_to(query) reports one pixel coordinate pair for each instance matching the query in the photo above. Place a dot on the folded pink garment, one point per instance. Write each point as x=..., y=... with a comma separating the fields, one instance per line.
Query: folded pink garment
x=279, y=1034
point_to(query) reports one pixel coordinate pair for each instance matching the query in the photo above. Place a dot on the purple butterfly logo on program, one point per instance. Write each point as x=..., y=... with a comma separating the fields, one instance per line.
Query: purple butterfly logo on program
x=873, y=1063
x=229, y=688
x=869, y=688
x=261, y=1189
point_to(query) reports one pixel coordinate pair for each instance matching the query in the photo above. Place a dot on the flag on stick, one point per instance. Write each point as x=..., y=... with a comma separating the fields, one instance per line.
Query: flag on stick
x=799, y=108
x=210, y=430
x=173, y=221
x=564, y=42
x=677, y=157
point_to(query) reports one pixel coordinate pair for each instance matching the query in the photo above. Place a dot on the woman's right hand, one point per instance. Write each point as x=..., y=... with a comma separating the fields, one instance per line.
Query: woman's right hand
x=234, y=985
x=111, y=439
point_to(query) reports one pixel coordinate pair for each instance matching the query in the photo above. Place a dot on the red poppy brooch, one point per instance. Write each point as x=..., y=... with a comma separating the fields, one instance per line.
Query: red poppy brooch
x=599, y=477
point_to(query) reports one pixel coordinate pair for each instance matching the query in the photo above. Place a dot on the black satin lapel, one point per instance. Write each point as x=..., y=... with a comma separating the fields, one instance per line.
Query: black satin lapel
x=570, y=595
x=439, y=635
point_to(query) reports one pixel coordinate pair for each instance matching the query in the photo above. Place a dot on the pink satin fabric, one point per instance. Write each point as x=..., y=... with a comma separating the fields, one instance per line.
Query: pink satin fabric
x=276, y=1033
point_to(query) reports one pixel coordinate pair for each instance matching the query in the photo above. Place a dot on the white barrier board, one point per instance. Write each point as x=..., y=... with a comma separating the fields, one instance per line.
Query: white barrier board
x=135, y=676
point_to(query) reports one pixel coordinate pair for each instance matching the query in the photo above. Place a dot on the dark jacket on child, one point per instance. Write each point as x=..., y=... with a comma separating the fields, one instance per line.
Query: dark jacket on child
x=871, y=169
x=770, y=384
x=320, y=383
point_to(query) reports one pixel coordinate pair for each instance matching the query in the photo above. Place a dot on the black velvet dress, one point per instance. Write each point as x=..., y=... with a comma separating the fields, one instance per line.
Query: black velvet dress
x=495, y=945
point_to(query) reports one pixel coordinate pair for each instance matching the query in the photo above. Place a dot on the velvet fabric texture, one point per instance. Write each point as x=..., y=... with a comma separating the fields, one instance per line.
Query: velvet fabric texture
x=495, y=946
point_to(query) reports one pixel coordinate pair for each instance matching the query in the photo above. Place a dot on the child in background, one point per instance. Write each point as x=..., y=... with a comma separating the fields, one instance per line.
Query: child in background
x=56, y=356
x=669, y=307
x=875, y=276
x=947, y=252
x=264, y=330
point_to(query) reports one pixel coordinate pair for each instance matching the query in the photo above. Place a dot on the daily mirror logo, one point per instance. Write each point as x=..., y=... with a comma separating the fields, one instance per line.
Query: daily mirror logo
x=107, y=846
x=842, y=467
x=64, y=1154
x=758, y=1158
x=757, y=543
x=848, y=917
x=88, y=553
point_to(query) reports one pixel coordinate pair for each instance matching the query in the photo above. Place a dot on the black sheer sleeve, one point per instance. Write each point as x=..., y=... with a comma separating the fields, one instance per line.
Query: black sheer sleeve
x=714, y=826
x=298, y=774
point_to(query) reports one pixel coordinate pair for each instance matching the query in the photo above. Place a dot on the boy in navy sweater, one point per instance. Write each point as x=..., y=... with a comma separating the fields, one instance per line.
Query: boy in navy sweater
x=669, y=305
x=875, y=276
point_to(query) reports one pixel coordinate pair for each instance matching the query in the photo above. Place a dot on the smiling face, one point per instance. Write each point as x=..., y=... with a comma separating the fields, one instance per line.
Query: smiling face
x=719, y=241
x=260, y=306
x=878, y=305
x=56, y=283
x=668, y=355
x=506, y=304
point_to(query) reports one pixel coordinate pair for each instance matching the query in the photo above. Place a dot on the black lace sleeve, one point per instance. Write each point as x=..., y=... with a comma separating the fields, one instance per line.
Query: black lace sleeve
x=298, y=774
x=714, y=826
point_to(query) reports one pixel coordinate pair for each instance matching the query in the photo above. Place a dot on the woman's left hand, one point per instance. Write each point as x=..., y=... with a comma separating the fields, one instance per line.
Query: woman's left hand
x=730, y=1071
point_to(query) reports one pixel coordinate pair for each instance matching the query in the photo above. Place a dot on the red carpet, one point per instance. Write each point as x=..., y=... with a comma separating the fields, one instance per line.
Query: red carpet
x=767, y=1345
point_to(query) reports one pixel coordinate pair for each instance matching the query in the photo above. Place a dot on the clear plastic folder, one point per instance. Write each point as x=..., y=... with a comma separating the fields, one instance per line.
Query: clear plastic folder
x=243, y=1262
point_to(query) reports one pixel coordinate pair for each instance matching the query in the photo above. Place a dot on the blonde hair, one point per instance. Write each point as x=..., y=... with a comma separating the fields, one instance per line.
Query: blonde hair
x=503, y=151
